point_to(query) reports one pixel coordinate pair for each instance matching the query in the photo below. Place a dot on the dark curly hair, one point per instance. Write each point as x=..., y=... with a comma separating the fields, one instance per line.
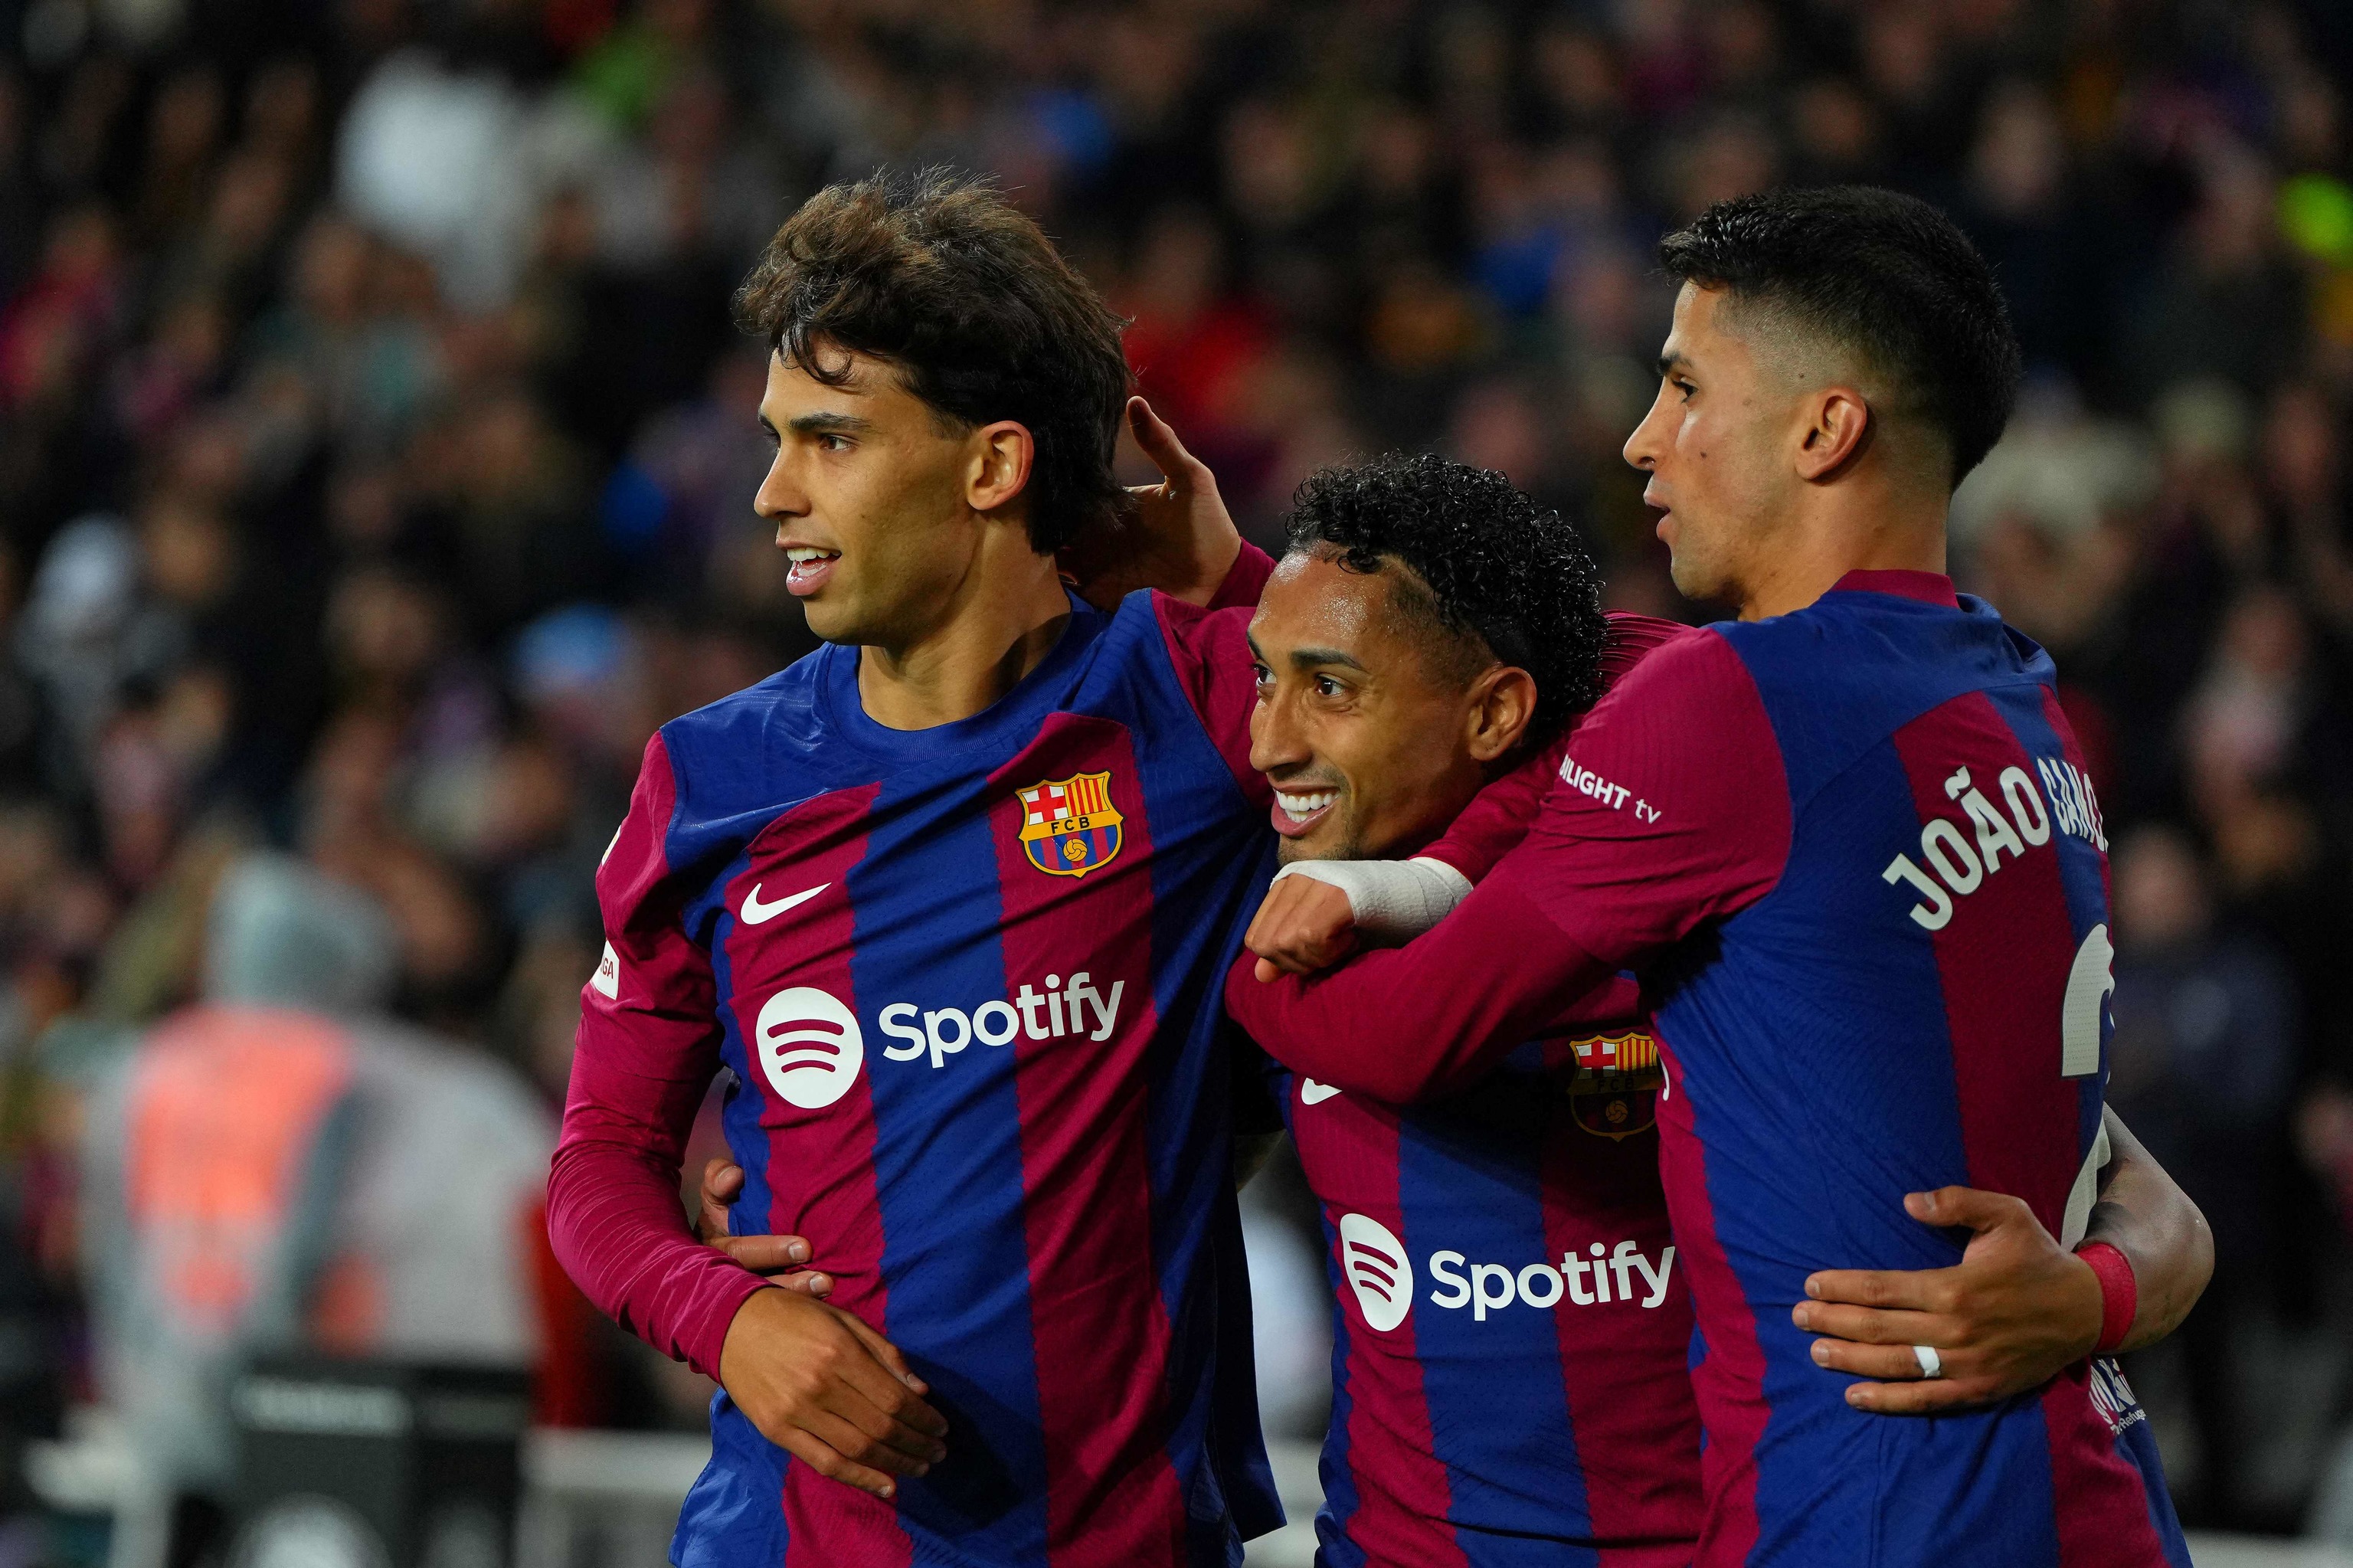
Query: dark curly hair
x=941, y=278
x=1879, y=272
x=1483, y=566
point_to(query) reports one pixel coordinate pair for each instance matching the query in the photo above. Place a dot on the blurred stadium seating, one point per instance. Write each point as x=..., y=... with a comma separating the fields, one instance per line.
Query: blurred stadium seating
x=376, y=455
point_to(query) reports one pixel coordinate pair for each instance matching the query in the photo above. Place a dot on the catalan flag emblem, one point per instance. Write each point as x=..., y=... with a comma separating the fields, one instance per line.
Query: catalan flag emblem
x=1069, y=826
x=1614, y=1092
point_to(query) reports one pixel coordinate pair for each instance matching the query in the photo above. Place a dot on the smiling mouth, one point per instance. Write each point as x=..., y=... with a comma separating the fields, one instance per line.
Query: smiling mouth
x=810, y=568
x=1298, y=810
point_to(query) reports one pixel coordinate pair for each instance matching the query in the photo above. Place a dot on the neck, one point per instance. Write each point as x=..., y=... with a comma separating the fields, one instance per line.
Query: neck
x=1002, y=619
x=1863, y=531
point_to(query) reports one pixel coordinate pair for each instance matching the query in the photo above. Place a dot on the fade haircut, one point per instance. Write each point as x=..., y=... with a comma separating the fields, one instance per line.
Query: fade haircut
x=938, y=276
x=1486, y=573
x=1882, y=275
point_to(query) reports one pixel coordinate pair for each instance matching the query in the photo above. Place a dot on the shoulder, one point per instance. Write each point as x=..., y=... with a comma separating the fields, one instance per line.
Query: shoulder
x=784, y=708
x=1632, y=637
x=1665, y=663
x=717, y=773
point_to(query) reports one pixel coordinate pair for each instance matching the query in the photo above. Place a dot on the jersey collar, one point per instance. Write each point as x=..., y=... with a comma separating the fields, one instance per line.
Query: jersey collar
x=1929, y=587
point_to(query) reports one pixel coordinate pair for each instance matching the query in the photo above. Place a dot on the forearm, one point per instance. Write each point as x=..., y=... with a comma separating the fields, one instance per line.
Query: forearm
x=1403, y=1025
x=615, y=1224
x=2144, y=1215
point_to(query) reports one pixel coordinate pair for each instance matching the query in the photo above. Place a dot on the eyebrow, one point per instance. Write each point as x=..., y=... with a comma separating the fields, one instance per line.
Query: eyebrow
x=1669, y=363
x=1309, y=658
x=825, y=423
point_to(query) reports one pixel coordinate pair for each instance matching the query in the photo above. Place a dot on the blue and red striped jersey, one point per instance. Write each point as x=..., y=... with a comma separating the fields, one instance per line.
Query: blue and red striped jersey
x=1510, y=1333
x=1853, y=854
x=963, y=982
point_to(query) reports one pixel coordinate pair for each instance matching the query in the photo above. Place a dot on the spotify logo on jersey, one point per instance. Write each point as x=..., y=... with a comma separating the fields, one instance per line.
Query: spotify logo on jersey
x=810, y=1047
x=1377, y=1268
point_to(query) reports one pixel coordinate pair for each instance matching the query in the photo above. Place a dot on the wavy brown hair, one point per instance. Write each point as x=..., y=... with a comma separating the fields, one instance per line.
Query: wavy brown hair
x=958, y=291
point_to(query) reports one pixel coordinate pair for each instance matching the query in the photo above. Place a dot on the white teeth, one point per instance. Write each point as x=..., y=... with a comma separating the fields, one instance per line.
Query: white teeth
x=802, y=555
x=1299, y=808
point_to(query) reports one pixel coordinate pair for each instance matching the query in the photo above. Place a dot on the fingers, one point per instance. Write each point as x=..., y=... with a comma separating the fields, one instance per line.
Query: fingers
x=918, y=1427
x=1869, y=1326
x=1917, y=1398
x=1914, y=1290
x=1302, y=927
x=764, y=1255
x=1970, y=1206
x=1157, y=438
x=883, y=1350
x=1888, y=1363
x=722, y=1179
x=854, y=1437
x=828, y=1461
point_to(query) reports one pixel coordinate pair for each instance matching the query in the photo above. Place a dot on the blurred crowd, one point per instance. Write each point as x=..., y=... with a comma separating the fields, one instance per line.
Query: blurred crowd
x=376, y=458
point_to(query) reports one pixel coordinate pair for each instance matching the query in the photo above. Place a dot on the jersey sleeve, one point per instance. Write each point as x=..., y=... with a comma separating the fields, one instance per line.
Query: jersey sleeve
x=647, y=1050
x=1668, y=813
x=1497, y=818
x=1209, y=646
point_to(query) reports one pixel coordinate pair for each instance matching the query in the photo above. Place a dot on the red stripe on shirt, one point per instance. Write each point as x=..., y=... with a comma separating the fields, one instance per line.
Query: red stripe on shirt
x=1630, y=1402
x=1098, y=1320
x=1402, y=1494
x=2004, y=960
x=1729, y=1383
x=820, y=1161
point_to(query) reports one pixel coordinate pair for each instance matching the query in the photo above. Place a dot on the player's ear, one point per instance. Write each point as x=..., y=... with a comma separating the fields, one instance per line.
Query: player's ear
x=1502, y=704
x=998, y=468
x=1838, y=427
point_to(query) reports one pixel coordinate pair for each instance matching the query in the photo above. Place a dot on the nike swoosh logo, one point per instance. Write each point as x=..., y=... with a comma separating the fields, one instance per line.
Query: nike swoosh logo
x=1312, y=1093
x=756, y=912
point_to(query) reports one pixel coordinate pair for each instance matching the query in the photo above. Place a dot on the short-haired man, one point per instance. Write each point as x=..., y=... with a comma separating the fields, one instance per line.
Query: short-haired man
x=1847, y=844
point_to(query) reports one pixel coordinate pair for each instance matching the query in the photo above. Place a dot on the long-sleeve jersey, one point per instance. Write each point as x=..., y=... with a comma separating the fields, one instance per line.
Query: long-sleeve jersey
x=1853, y=857
x=1510, y=1331
x=964, y=983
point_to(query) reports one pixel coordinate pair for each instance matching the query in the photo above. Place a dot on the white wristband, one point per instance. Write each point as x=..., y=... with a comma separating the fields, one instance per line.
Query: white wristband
x=1393, y=900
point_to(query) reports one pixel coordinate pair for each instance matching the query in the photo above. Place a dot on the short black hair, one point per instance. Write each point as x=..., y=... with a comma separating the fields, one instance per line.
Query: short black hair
x=1494, y=568
x=938, y=275
x=1883, y=274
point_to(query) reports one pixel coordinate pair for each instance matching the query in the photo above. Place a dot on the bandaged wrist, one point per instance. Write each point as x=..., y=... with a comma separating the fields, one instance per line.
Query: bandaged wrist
x=1392, y=900
x=2119, y=1293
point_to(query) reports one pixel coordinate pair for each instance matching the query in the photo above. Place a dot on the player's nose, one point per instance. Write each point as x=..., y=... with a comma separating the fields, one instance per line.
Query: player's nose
x=1277, y=743
x=780, y=494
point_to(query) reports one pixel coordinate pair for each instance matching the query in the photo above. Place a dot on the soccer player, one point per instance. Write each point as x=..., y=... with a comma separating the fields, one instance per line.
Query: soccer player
x=950, y=900
x=1847, y=844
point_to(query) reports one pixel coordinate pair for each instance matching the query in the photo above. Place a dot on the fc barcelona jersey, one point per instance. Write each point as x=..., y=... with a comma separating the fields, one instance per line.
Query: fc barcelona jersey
x=963, y=985
x=1510, y=1331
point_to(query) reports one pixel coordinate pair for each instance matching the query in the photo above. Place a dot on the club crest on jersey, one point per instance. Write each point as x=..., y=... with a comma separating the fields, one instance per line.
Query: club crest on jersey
x=1615, y=1092
x=1069, y=826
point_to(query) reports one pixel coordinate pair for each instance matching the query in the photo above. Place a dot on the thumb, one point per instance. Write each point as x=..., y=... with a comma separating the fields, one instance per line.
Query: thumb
x=1265, y=970
x=1157, y=438
x=1972, y=1207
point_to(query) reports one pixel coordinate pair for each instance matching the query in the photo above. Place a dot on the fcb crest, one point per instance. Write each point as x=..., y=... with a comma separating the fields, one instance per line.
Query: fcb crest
x=1069, y=826
x=1614, y=1093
